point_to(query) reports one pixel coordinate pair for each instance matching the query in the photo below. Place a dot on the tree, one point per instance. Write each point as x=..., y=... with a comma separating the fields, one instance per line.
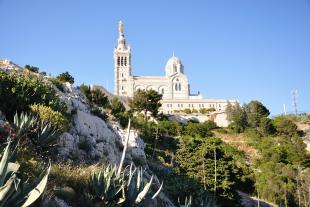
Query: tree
x=65, y=77
x=236, y=114
x=285, y=126
x=146, y=101
x=32, y=68
x=99, y=98
x=255, y=111
x=206, y=160
x=266, y=127
x=117, y=106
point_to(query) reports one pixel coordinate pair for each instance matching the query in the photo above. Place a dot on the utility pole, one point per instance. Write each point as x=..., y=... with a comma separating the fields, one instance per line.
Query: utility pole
x=294, y=97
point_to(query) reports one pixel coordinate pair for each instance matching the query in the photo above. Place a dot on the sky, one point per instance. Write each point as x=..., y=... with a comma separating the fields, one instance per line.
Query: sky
x=231, y=49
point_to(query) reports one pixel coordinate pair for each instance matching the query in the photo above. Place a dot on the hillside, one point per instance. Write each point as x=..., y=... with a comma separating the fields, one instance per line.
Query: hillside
x=82, y=132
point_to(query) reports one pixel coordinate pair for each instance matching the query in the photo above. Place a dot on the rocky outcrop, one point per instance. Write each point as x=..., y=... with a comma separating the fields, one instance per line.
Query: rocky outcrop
x=90, y=138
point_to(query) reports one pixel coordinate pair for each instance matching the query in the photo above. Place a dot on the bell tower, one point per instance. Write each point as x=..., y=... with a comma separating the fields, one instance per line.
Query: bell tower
x=122, y=64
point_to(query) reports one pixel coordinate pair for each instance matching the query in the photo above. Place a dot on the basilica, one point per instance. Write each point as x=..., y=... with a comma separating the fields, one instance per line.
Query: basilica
x=174, y=86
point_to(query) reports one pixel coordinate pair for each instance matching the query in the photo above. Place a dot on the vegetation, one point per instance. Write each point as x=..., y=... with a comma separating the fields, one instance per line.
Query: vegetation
x=146, y=101
x=65, y=77
x=48, y=115
x=19, y=90
x=32, y=68
x=197, y=167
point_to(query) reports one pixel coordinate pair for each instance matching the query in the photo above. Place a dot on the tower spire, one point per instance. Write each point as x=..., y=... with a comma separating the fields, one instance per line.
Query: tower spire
x=120, y=27
x=121, y=37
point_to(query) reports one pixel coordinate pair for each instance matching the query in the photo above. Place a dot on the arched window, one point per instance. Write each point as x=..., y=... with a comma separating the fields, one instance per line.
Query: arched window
x=175, y=68
x=176, y=87
x=121, y=61
x=179, y=86
x=125, y=61
x=162, y=91
x=118, y=61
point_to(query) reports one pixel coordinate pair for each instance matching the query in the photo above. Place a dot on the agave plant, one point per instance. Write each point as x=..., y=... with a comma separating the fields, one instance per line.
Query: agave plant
x=39, y=132
x=135, y=191
x=13, y=191
x=106, y=185
x=187, y=202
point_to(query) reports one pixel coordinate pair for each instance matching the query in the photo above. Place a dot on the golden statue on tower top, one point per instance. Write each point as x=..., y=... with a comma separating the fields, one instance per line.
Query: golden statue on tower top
x=120, y=27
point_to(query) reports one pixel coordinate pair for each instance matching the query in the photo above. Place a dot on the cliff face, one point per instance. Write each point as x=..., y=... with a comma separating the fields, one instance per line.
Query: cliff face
x=92, y=139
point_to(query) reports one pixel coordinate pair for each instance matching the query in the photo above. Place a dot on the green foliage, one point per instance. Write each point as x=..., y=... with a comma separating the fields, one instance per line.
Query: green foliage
x=86, y=91
x=198, y=157
x=47, y=114
x=99, y=98
x=237, y=116
x=211, y=109
x=65, y=77
x=187, y=111
x=194, y=111
x=95, y=96
x=203, y=111
x=59, y=84
x=18, y=90
x=266, y=126
x=117, y=107
x=255, y=111
x=285, y=126
x=146, y=101
x=126, y=189
x=14, y=191
x=29, y=128
x=199, y=129
x=32, y=68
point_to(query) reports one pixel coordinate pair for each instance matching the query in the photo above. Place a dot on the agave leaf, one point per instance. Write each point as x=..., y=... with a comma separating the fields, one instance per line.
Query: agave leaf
x=4, y=164
x=6, y=188
x=158, y=191
x=143, y=193
x=35, y=193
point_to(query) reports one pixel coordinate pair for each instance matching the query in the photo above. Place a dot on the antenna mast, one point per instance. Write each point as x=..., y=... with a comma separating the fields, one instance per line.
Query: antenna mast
x=294, y=97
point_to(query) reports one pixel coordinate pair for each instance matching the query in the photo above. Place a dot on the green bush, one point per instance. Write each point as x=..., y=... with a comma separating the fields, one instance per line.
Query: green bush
x=285, y=126
x=18, y=90
x=55, y=118
x=32, y=68
x=65, y=77
x=57, y=83
x=187, y=111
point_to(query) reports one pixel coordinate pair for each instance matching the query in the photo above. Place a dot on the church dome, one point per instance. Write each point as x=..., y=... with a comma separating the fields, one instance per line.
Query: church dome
x=173, y=65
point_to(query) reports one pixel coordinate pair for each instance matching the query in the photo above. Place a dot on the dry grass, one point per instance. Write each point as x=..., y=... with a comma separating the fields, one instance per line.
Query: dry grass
x=238, y=141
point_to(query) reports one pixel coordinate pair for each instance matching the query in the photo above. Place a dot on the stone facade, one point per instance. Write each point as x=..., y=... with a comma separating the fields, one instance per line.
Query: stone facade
x=174, y=86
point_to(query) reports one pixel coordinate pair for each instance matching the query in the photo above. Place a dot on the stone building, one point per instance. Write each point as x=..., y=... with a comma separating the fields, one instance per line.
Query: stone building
x=174, y=86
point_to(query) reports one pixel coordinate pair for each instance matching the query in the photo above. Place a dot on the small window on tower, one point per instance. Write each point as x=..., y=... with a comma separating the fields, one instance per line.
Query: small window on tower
x=125, y=61
x=179, y=86
x=118, y=61
x=162, y=91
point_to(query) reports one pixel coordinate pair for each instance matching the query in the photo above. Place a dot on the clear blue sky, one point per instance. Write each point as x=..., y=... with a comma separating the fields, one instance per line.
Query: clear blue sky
x=242, y=49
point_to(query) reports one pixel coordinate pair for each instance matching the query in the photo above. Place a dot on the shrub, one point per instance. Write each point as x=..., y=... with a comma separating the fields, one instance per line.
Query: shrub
x=55, y=118
x=65, y=77
x=14, y=190
x=19, y=90
x=32, y=68
x=285, y=126
x=58, y=84
x=203, y=111
x=187, y=111
x=194, y=111
x=99, y=98
x=100, y=113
